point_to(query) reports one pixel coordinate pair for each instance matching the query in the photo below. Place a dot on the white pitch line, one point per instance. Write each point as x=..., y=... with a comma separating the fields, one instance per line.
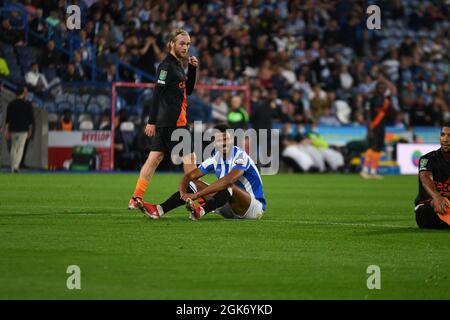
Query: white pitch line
x=341, y=224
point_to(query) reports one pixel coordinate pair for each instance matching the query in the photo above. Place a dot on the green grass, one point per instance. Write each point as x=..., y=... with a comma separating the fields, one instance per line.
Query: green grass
x=317, y=239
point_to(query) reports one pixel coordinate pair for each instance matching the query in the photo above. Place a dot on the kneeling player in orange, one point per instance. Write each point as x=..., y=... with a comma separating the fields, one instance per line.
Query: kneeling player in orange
x=432, y=203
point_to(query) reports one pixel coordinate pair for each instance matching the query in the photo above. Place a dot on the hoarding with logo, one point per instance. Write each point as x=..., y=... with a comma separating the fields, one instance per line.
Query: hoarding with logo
x=408, y=156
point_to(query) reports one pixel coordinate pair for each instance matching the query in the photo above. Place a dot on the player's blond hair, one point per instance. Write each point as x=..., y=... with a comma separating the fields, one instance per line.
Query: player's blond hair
x=173, y=36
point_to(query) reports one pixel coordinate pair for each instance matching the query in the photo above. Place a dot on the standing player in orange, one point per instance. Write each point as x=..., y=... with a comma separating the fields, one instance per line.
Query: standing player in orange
x=378, y=107
x=432, y=202
x=168, y=110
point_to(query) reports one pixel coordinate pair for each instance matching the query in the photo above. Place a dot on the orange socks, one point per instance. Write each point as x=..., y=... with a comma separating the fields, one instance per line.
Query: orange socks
x=375, y=160
x=368, y=158
x=371, y=161
x=141, y=187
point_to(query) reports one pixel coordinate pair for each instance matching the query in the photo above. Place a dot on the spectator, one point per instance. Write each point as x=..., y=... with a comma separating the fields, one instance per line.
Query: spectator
x=299, y=109
x=420, y=116
x=284, y=46
x=408, y=97
x=111, y=73
x=261, y=116
x=36, y=80
x=10, y=35
x=119, y=147
x=80, y=71
x=4, y=69
x=345, y=78
x=149, y=54
x=19, y=126
x=105, y=120
x=70, y=74
x=237, y=116
x=219, y=109
x=328, y=119
x=222, y=61
x=332, y=158
x=66, y=123
x=50, y=57
x=292, y=151
x=319, y=102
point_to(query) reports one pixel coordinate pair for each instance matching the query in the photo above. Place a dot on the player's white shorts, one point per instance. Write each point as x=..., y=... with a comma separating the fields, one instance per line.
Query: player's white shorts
x=254, y=212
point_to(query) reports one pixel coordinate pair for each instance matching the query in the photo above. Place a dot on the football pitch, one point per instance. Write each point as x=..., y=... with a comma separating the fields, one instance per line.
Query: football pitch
x=316, y=241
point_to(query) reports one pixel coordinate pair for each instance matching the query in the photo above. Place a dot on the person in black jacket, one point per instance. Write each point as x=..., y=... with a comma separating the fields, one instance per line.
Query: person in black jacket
x=19, y=126
x=168, y=111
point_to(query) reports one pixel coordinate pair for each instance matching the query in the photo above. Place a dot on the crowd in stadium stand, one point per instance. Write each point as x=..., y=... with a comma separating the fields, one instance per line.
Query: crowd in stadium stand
x=307, y=61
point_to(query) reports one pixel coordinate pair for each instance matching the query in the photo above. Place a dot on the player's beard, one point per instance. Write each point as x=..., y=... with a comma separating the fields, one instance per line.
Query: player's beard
x=181, y=57
x=445, y=150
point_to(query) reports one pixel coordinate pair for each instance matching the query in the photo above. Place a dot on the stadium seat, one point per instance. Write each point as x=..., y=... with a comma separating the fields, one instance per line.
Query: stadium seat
x=93, y=108
x=7, y=48
x=85, y=98
x=86, y=125
x=84, y=117
x=127, y=126
x=50, y=107
x=61, y=98
x=127, y=158
x=61, y=106
x=26, y=57
x=79, y=108
x=50, y=73
x=135, y=119
x=104, y=101
x=52, y=121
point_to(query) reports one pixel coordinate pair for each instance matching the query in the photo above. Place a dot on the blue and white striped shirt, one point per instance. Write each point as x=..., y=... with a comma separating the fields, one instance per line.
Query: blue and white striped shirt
x=250, y=181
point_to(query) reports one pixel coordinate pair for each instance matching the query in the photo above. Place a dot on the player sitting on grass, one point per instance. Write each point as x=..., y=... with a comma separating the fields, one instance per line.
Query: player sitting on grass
x=238, y=192
x=432, y=203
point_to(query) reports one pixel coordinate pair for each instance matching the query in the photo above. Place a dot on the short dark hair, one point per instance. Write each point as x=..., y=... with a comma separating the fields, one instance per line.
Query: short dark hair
x=222, y=127
x=446, y=124
x=20, y=90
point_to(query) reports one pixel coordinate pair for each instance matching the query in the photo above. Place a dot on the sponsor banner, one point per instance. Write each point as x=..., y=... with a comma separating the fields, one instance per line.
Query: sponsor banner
x=61, y=143
x=58, y=155
x=340, y=136
x=98, y=139
x=408, y=156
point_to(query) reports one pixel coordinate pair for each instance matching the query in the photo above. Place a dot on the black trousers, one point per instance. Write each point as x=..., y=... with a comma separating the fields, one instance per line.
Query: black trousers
x=376, y=140
x=426, y=218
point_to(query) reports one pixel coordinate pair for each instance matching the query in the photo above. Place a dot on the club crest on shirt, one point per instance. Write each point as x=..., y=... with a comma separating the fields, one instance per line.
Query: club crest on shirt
x=239, y=161
x=163, y=75
x=423, y=164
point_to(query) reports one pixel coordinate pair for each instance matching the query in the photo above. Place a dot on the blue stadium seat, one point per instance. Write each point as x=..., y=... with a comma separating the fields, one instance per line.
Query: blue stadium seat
x=50, y=107
x=61, y=106
x=50, y=73
x=94, y=108
x=79, y=108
